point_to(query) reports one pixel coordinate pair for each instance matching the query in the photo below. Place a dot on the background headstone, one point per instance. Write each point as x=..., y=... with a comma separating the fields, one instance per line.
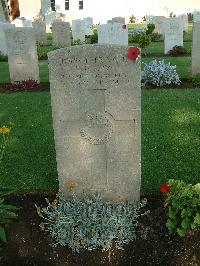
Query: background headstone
x=22, y=54
x=113, y=33
x=3, y=44
x=185, y=21
x=118, y=20
x=196, y=16
x=95, y=95
x=159, y=24
x=88, y=26
x=149, y=19
x=2, y=15
x=61, y=33
x=173, y=33
x=78, y=30
x=40, y=31
x=196, y=48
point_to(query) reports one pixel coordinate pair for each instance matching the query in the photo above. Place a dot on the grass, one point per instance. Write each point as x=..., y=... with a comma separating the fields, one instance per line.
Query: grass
x=170, y=139
x=158, y=47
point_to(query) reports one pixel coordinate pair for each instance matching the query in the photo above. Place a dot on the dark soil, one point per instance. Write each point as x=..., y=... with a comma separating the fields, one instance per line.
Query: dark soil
x=4, y=88
x=28, y=245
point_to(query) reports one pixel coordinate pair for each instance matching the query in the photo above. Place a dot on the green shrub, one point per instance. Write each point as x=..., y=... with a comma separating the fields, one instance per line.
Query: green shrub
x=150, y=28
x=3, y=57
x=183, y=207
x=89, y=222
x=133, y=38
x=196, y=79
x=77, y=42
x=43, y=50
x=94, y=37
x=177, y=50
x=144, y=40
x=156, y=37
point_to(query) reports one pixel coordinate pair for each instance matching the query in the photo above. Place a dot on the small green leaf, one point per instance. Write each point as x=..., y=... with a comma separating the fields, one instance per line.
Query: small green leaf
x=2, y=234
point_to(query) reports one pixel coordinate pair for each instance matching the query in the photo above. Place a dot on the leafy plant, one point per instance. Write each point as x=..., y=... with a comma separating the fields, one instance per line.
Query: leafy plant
x=21, y=85
x=144, y=41
x=156, y=37
x=133, y=19
x=7, y=213
x=94, y=37
x=159, y=73
x=150, y=28
x=177, y=50
x=89, y=222
x=43, y=50
x=77, y=42
x=3, y=57
x=196, y=79
x=183, y=207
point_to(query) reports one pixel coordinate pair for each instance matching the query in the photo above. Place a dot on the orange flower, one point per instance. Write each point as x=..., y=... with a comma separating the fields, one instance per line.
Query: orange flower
x=71, y=185
x=4, y=130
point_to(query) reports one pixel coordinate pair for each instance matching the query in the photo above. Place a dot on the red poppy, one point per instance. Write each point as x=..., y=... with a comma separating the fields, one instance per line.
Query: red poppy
x=124, y=26
x=133, y=53
x=164, y=188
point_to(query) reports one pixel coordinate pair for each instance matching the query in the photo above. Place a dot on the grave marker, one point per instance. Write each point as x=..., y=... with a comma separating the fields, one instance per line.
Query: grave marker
x=61, y=33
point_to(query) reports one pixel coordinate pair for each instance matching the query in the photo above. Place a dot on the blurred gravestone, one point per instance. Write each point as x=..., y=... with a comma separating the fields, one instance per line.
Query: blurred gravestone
x=185, y=21
x=196, y=16
x=88, y=26
x=22, y=54
x=95, y=95
x=159, y=24
x=113, y=33
x=78, y=30
x=2, y=15
x=173, y=33
x=40, y=31
x=118, y=20
x=61, y=33
x=196, y=48
x=3, y=44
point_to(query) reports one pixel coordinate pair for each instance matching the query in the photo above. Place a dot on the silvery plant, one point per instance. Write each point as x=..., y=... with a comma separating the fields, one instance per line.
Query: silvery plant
x=89, y=222
x=159, y=73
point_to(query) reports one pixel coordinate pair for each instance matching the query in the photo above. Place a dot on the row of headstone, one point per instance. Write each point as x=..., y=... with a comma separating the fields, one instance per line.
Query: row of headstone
x=113, y=33
x=196, y=48
x=3, y=43
x=117, y=20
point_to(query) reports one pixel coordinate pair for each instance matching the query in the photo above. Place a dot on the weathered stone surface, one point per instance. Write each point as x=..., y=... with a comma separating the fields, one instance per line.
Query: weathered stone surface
x=95, y=95
x=78, y=30
x=61, y=33
x=118, y=20
x=159, y=23
x=22, y=22
x=3, y=45
x=2, y=15
x=185, y=21
x=40, y=31
x=196, y=48
x=173, y=33
x=22, y=54
x=196, y=16
x=113, y=33
x=88, y=26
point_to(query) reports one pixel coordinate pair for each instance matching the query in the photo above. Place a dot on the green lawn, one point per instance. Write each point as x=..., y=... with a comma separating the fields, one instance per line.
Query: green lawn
x=170, y=139
x=158, y=47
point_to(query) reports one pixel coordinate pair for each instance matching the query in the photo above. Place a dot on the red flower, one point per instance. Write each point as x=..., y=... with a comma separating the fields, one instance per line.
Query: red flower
x=124, y=26
x=133, y=53
x=164, y=188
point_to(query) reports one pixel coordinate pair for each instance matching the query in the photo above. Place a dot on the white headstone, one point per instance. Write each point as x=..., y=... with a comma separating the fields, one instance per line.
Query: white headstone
x=3, y=44
x=51, y=17
x=40, y=31
x=22, y=54
x=118, y=20
x=78, y=30
x=196, y=16
x=173, y=33
x=185, y=21
x=113, y=33
x=96, y=106
x=88, y=26
x=2, y=15
x=159, y=24
x=61, y=33
x=196, y=48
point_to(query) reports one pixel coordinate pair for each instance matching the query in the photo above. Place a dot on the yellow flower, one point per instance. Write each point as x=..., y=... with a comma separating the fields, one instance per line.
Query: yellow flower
x=4, y=130
x=71, y=185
